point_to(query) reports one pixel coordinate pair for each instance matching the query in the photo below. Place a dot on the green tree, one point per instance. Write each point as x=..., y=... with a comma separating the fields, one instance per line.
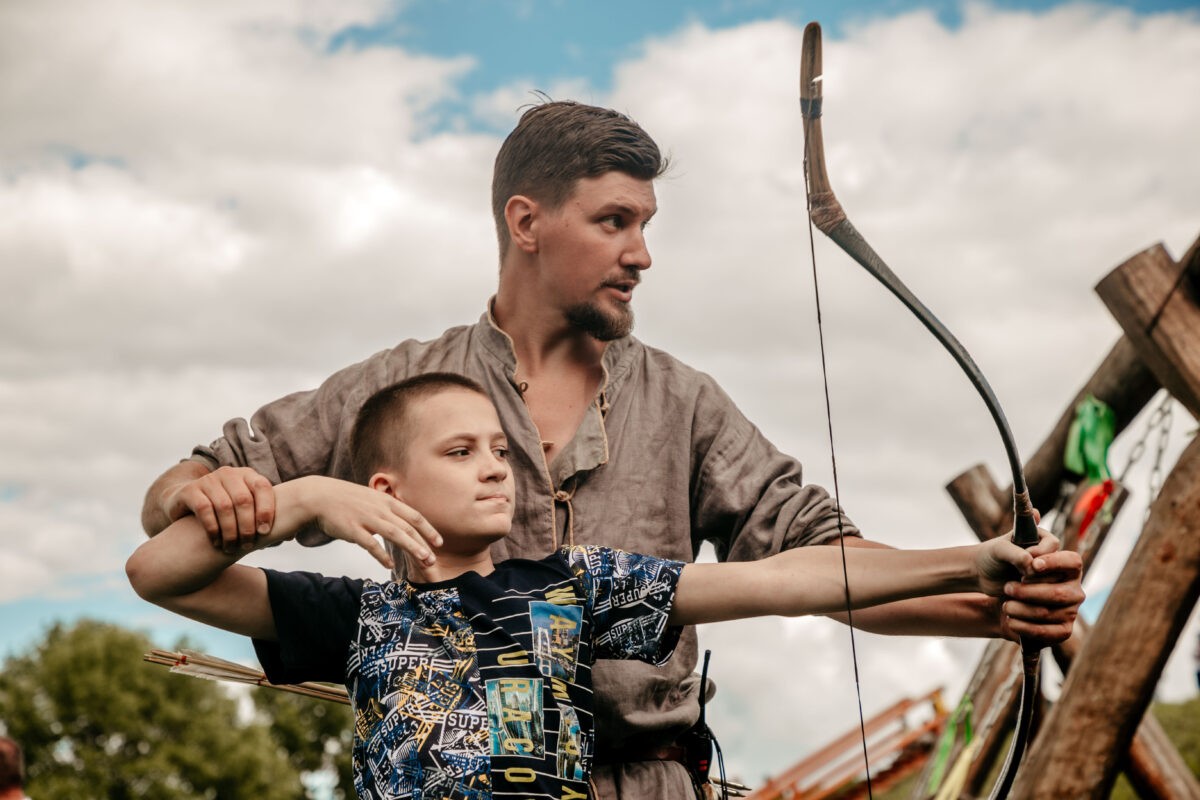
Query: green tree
x=96, y=722
x=316, y=734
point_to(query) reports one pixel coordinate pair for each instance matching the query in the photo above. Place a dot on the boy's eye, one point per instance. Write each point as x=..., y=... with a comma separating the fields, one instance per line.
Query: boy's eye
x=501, y=453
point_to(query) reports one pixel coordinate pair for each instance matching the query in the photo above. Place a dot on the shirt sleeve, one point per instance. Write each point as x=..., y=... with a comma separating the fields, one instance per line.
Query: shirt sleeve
x=748, y=498
x=316, y=619
x=303, y=433
x=630, y=597
x=308, y=433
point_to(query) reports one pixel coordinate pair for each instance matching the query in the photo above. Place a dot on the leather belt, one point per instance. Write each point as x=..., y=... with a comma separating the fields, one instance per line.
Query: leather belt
x=669, y=752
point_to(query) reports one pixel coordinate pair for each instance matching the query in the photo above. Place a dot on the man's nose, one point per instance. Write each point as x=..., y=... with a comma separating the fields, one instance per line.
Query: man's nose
x=637, y=255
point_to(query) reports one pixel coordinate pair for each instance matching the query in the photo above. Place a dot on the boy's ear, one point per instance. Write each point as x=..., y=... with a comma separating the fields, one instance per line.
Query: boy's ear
x=520, y=213
x=385, y=482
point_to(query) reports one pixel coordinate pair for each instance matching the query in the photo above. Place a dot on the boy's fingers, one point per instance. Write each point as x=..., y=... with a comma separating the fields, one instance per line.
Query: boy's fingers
x=420, y=526
x=408, y=540
x=369, y=543
x=1060, y=566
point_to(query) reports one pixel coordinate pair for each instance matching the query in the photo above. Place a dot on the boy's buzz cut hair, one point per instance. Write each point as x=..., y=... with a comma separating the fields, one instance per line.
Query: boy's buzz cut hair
x=558, y=142
x=381, y=428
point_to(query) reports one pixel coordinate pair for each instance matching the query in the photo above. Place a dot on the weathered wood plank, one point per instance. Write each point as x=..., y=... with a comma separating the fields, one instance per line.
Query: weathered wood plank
x=1154, y=300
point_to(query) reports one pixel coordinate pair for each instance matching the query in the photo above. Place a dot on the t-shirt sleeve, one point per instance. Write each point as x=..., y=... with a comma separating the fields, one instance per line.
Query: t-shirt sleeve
x=316, y=619
x=630, y=597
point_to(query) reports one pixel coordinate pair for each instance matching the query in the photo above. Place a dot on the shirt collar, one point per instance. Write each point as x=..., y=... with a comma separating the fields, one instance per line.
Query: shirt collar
x=500, y=345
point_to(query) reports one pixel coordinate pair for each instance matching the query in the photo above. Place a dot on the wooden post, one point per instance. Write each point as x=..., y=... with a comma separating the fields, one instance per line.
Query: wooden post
x=1153, y=765
x=1154, y=300
x=1111, y=683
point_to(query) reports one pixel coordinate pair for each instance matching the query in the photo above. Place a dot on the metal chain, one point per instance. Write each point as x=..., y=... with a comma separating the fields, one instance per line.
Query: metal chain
x=1139, y=447
x=1164, y=414
x=1160, y=421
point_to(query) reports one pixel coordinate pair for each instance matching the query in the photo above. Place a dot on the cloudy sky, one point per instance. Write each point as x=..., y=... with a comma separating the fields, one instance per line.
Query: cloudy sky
x=206, y=205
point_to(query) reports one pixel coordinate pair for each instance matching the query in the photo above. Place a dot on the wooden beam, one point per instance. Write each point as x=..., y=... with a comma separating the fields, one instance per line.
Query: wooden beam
x=1110, y=685
x=1155, y=301
x=1153, y=765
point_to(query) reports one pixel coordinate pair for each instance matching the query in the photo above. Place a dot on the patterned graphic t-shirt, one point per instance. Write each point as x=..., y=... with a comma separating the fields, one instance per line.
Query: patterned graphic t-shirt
x=476, y=687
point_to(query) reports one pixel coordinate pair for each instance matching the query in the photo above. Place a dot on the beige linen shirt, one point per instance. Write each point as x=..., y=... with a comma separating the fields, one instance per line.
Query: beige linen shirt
x=662, y=462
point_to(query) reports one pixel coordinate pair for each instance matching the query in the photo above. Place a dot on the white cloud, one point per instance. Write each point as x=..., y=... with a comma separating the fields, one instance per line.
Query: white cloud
x=267, y=211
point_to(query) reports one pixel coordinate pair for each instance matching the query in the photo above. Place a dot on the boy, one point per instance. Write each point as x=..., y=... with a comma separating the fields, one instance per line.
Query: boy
x=473, y=679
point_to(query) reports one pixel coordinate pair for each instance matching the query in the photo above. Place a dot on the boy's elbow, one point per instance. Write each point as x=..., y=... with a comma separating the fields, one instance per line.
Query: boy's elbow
x=140, y=576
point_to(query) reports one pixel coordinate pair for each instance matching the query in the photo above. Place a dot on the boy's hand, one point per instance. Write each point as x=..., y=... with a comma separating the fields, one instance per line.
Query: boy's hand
x=1042, y=606
x=358, y=514
x=231, y=503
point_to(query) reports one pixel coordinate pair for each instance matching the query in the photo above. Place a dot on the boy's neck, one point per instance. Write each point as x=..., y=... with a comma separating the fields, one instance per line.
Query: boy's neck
x=450, y=565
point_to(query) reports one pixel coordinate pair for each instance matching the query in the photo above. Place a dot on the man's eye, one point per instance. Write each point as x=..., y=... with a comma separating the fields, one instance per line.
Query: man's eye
x=459, y=451
x=615, y=220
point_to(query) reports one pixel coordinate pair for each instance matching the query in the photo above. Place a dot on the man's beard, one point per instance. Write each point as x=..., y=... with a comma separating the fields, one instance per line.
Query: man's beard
x=591, y=320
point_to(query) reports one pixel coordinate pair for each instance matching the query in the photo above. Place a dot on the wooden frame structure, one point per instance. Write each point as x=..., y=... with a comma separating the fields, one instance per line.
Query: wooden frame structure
x=1100, y=724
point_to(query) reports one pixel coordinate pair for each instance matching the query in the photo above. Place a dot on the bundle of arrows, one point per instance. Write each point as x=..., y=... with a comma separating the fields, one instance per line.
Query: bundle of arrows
x=201, y=665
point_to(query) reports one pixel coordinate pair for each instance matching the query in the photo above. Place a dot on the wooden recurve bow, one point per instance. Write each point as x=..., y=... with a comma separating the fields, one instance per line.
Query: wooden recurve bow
x=827, y=214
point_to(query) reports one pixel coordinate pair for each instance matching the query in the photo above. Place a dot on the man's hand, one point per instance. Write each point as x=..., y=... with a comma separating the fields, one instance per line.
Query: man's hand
x=232, y=504
x=358, y=514
x=1041, y=607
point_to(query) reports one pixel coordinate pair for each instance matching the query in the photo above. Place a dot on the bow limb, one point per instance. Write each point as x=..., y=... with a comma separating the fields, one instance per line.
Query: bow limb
x=827, y=214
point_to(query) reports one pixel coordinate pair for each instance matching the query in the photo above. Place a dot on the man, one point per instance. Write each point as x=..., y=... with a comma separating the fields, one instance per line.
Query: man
x=12, y=770
x=611, y=442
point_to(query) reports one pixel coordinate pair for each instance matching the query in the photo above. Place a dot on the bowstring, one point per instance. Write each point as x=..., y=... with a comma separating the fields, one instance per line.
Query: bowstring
x=837, y=497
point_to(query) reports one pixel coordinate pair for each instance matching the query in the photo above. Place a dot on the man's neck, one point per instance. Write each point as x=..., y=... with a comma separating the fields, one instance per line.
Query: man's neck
x=543, y=341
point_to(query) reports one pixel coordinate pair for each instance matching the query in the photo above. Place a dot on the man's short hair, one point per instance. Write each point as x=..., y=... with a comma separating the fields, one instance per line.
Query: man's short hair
x=12, y=764
x=558, y=142
x=381, y=429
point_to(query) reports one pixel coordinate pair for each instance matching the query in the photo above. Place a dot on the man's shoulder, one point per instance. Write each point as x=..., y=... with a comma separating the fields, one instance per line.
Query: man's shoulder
x=452, y=351
x=455, y=336
x=634, y=355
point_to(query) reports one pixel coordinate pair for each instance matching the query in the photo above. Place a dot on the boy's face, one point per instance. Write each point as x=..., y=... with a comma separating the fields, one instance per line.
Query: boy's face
x=455, y=467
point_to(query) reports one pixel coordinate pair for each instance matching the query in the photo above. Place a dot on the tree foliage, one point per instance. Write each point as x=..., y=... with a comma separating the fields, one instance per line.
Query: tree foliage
x=317, y=735
x=96, y=722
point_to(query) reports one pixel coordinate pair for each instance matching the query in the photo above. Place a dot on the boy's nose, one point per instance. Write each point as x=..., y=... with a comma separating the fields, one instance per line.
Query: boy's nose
x=495, y=470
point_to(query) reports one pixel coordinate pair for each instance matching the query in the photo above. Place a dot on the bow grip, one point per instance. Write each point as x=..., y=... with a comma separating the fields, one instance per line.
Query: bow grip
x=1025, y=530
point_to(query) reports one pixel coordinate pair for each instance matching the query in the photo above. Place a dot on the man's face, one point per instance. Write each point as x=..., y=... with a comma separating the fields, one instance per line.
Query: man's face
x=593, y=250
x=455, y=467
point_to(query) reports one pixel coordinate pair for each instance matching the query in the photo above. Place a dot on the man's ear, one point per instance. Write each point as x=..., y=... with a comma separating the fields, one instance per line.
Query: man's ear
x=387, y=482
x=520, y=214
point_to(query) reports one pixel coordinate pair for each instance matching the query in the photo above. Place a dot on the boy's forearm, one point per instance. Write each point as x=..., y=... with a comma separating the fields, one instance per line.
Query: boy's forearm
x=809, y=580
x=875, y=577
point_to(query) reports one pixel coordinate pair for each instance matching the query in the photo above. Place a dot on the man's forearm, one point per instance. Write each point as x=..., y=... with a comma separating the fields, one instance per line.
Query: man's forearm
x=182, y=560
x=154, y=513
x=966, y=614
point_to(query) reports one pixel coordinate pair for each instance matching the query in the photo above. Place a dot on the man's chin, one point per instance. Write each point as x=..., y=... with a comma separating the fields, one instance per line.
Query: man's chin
x=605, y=327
